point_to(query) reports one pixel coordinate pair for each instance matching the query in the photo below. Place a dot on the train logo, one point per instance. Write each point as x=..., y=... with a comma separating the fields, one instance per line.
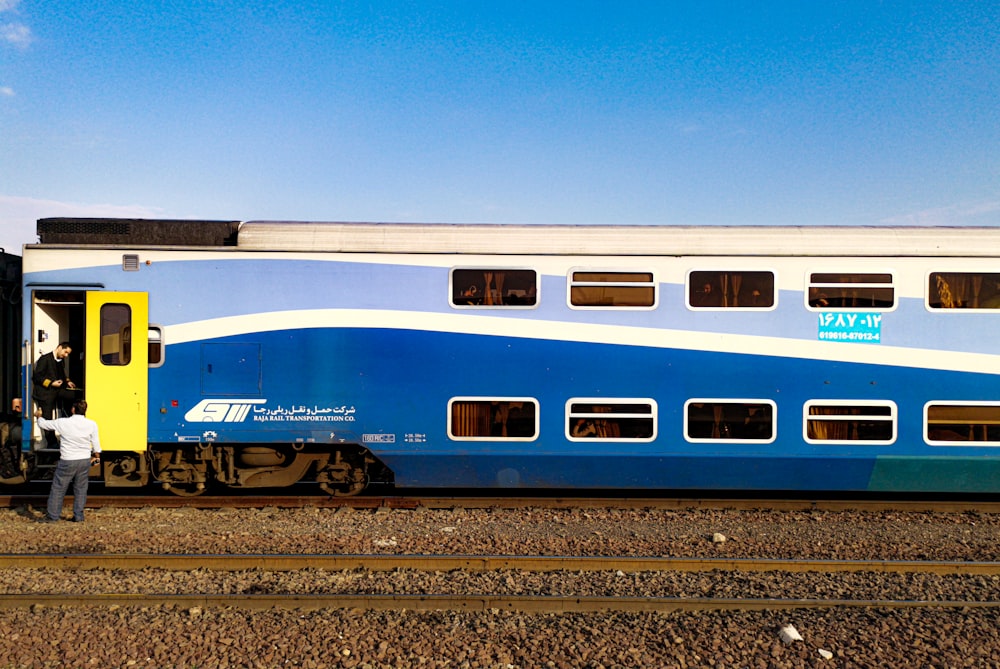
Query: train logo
x=221, y=411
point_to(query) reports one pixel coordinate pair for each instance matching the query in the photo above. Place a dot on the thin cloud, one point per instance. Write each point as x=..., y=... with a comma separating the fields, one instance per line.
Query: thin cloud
x=16, y=34
x=6, y=91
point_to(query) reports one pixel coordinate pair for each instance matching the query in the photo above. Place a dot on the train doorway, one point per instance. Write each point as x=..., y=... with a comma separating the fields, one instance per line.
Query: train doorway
x=109, y=363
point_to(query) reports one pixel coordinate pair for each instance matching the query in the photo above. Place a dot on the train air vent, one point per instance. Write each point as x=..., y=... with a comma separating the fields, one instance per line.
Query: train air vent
x=130, y=262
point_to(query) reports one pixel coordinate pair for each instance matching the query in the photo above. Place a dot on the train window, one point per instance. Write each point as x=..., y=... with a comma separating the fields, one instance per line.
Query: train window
x=604, y=290
x=829, y=291
x=155, y=341
x=725, y=289
x=964, y=290
x=503, y=419
x=611, y=419
x=494, y=287
x=962, y=423
x=849, y=422
x=729, y=420
x=116, y=334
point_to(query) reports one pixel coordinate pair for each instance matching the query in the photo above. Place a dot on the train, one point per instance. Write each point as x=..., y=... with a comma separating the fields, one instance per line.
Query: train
x=226, y=355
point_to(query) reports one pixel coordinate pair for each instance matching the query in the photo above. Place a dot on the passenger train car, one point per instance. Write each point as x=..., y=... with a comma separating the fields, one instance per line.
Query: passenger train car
x=260, y=354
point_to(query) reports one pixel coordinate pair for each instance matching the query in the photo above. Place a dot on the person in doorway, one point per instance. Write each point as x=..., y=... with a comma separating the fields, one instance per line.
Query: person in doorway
x=52, y=386
x=10, y=440
x=79, y=450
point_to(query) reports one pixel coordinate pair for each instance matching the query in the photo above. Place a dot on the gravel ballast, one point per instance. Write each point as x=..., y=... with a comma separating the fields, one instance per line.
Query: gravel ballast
x=112, y=636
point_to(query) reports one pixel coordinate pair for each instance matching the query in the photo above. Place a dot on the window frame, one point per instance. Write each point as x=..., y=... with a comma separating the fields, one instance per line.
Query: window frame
x=957, y=310
x=893, y=417
x=482, y=268
x=891, y=285
x=162, y=347
x=730, y=400
x=492, y=398
x=121, y=356
x=652, y=283
x=570, y=416
x=688, y=285
x=959, y=403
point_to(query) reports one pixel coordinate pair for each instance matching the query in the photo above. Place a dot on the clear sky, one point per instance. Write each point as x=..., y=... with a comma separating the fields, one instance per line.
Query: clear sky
x=669, y=112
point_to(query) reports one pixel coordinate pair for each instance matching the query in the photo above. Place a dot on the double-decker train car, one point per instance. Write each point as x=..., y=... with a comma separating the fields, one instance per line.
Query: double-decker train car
x=260, y=354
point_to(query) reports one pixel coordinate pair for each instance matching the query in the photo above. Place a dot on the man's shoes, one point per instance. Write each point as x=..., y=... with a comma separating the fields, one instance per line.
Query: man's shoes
x=76, y=520
x=46, y=519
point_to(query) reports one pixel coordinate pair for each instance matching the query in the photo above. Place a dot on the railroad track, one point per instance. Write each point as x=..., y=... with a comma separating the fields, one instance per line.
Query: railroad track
x=442, y=563
x=473, y=601
x=445, y=502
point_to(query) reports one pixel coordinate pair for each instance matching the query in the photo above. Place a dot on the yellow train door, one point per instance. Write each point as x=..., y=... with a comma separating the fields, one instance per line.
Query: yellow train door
x=117, y=368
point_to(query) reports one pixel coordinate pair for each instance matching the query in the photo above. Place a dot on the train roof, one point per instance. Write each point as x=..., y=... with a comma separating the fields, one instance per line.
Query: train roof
x=626, y=240
x=648, y=240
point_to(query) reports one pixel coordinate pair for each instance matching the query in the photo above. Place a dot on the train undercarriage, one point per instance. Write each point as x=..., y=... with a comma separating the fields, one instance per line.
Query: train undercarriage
x=190, y=469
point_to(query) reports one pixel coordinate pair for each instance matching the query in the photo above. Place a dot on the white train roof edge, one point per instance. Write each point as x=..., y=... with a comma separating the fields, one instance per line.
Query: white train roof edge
x=625, y=240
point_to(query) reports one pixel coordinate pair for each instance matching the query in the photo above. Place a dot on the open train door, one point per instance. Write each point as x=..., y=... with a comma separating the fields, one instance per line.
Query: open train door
x=117, y=368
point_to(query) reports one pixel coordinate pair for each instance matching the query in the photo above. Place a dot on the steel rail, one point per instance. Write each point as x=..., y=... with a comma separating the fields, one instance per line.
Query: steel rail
x=444, y=502
x=522, y=603
x=478, y=563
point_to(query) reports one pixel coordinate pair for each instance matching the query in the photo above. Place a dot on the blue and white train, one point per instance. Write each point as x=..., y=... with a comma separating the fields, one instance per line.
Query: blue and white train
x=260, y=354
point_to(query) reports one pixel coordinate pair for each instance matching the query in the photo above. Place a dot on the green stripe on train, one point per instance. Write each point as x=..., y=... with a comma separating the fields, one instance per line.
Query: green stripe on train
x=936, y=474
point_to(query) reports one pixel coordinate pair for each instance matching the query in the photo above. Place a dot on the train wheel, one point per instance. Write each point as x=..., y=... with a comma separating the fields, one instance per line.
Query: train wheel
x=345, y=490
x=345, y=476
x=185, y=489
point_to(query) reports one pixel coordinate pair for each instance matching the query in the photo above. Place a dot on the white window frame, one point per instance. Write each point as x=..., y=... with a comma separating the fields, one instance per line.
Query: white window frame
x=730, y=270
x=893, y=417
x=652, y=283
x=966, y=443
x=491, y=398
x=489, y=268
x=731, y=400
x=892, y=285
x=571, y=417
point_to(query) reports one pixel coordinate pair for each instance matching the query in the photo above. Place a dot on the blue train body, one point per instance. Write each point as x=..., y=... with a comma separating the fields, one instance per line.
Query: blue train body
x=577, y=357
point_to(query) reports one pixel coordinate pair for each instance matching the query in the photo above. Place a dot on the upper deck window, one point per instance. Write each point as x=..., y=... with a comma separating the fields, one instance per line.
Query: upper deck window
x=963, y=290
x=727, y=289
x=494, y=287
x=597, y=289
x=830, y=291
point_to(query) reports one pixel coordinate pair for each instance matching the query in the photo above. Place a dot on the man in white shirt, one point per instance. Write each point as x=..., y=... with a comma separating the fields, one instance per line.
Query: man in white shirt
x=79, y=449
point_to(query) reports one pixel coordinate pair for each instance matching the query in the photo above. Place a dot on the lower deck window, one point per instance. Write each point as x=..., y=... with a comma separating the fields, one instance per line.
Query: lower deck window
x=729, y=420
x=850, y=422
x=962, y=423
x=611, y=420
x=492, y=418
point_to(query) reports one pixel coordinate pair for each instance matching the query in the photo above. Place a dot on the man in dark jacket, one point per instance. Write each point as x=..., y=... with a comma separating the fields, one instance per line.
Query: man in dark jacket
x=52, y=386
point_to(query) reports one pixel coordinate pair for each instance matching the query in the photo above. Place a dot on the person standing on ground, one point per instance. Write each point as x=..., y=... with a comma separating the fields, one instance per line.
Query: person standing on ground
x=79, y=449
x=52, y=386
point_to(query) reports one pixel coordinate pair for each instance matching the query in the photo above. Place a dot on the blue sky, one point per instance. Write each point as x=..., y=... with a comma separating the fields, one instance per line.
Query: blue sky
x=707, y=112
